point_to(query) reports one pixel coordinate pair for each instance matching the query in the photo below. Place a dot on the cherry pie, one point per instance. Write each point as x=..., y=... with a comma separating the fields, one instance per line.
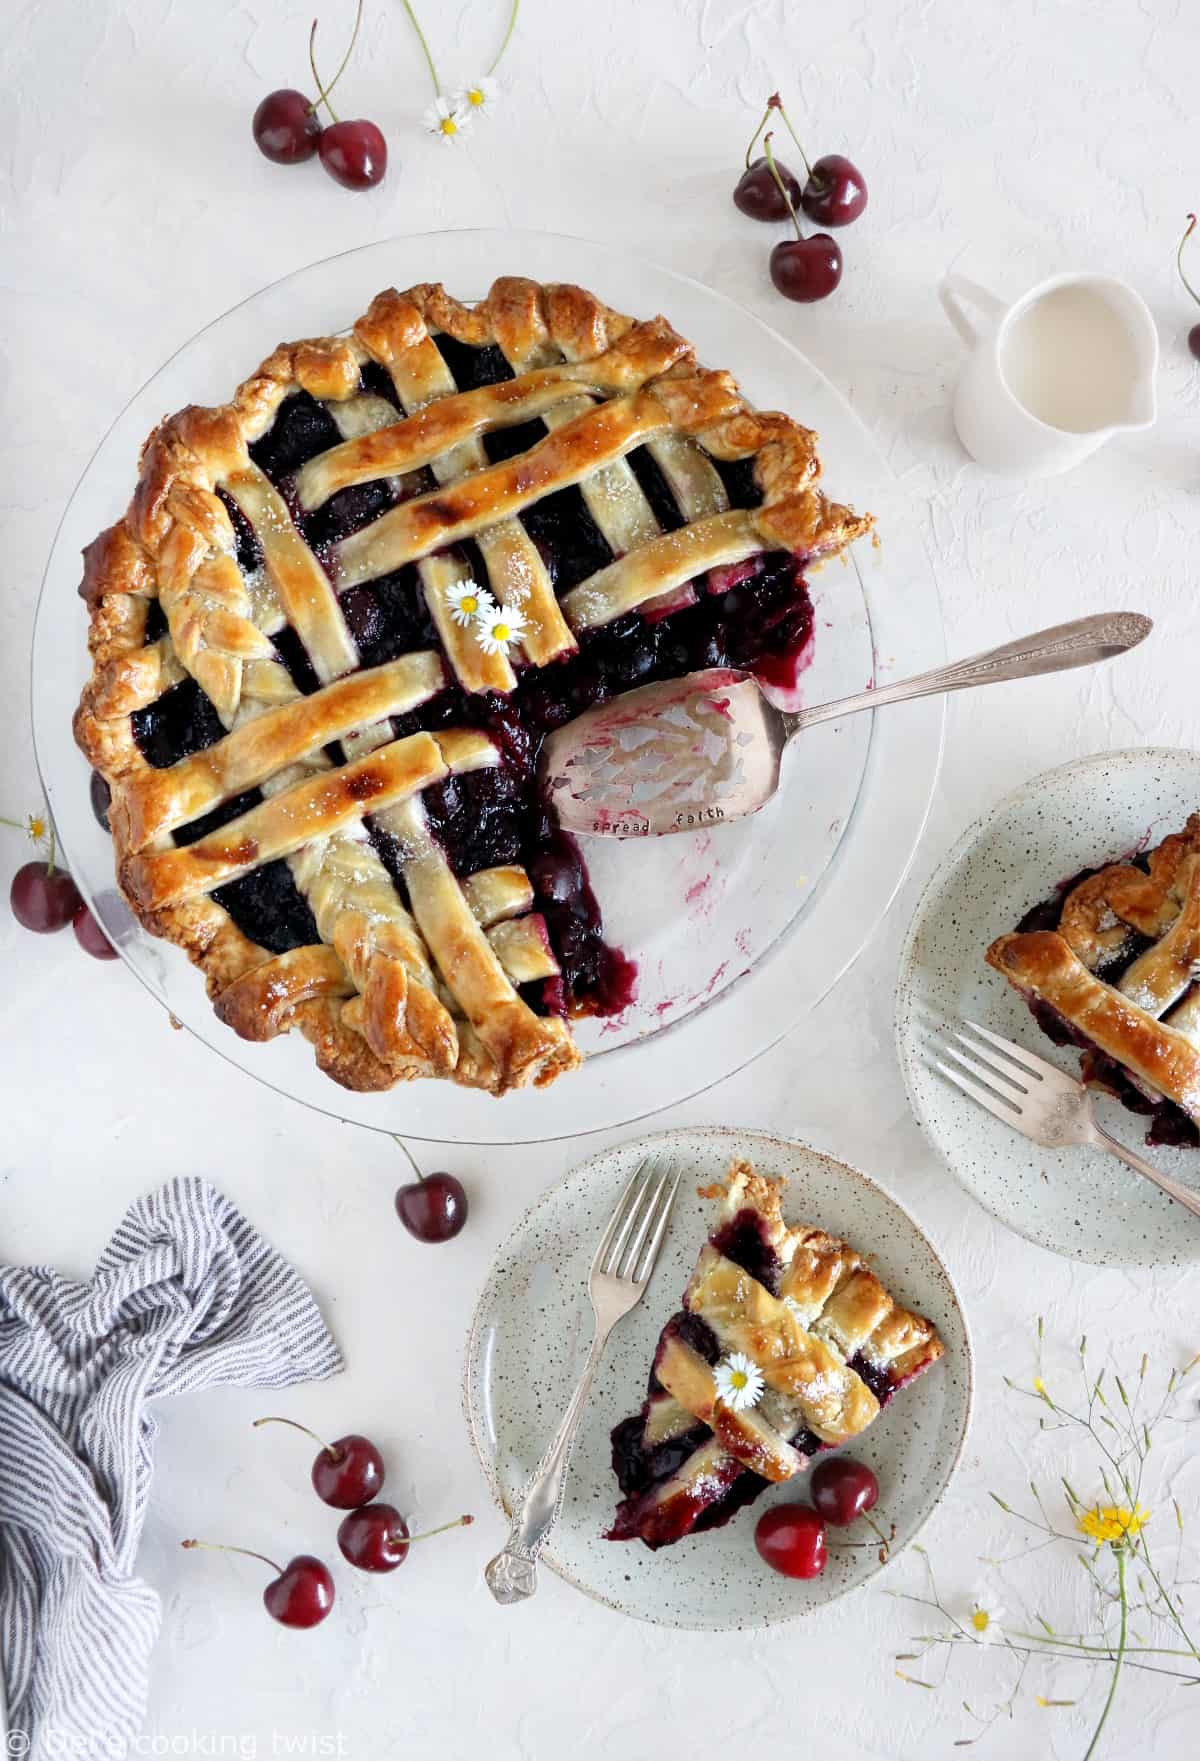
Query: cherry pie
x=343, y=611
x=827, y=1341
x=1110, y=964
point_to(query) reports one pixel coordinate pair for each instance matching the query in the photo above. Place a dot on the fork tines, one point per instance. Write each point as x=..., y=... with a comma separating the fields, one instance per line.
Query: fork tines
x=629, y=1246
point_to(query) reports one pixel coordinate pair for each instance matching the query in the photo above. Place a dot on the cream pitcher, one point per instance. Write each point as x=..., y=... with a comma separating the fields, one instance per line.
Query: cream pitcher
x=1052, y=376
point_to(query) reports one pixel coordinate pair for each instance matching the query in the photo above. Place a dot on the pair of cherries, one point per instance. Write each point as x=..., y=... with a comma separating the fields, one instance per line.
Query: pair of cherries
x=808, y=267
x=45, y=899
x=791, y=1537
x=287, y=128
x=348, y=1475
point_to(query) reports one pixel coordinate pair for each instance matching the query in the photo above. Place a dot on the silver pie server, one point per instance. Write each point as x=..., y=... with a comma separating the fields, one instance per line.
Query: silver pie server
x=693, y=752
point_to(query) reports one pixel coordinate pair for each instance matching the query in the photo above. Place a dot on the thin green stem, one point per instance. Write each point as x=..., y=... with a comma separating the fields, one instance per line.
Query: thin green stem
x=776, y=105
x=220, y=1547
x=507, y=39
x=459, y=1522
x=331, y=1452
x=322, y=95
x=1191, y=227
x=433, y=72
x=766, y=117
x=781, y=186
x=18, y=825
x=1117, y=1662
x=411, y=1159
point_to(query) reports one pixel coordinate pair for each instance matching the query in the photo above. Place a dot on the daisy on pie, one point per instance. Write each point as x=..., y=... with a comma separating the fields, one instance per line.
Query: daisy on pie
x=467, y=601
x=497, y=627
x=739, y=1381
x=447, y=117
x=479, y=98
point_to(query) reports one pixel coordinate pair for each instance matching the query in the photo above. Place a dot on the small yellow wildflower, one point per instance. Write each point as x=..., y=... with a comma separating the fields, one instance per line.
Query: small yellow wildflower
x=1039, y=1387
x=1112, y=1523
x=36, y=827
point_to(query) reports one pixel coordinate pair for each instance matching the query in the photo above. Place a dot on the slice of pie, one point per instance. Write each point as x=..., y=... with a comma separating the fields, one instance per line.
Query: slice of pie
x=342, y=613
x=1110, y=964
x=828, y=1343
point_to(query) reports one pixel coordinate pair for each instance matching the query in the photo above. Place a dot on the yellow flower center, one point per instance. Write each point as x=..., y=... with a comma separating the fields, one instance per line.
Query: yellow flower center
x=37, y=827
x=981, y=1620
x=469, y=604
x=475, y=96
x=738, y=1379
x=1039, y=1387
x=502, y=632
x=1112, y=1522
x=449, y=126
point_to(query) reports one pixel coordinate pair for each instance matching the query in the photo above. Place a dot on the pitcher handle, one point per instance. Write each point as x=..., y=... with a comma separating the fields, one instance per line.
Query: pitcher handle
x=956, y=293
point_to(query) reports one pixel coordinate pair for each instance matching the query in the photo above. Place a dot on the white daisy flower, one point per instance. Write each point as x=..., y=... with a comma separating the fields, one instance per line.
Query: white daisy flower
x=479, y=98
x=983, y=1622
x=467, y=601
x=496, y=627
x=739, y=1381
x=447, y=117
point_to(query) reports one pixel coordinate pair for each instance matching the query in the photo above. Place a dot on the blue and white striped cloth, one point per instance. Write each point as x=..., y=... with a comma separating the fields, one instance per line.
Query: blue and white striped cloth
x=186, y=1295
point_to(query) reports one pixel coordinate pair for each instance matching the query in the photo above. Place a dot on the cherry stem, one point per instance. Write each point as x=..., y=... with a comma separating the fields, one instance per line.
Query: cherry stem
x=1191, y=227
x=222, y=1547
x=874, y=1526
x=781, y=185
x=331, y=1452
x=411, y=1159
x=324, y=91
x=774, y=102
x=512, y=25
x=460, y=1522
x=433, y=72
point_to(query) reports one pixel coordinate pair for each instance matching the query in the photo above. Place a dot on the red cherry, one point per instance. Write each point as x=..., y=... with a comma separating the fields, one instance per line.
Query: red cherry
x=376, y=1538
x=842, y=1489
x=1194, y=340
x=286, y=128
x=354, y=154
x=91, y=937
x=807, y=269
x=757, y=194
x=433, y=1209
x=43, y=899
x=347, y=1472
x=791, y=1538
x=301, y=1592
x=835, y=193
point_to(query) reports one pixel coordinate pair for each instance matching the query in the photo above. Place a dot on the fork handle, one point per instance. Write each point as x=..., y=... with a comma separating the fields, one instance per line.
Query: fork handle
x=512, y=1575
x=1184, y=1195
x=1081, y=643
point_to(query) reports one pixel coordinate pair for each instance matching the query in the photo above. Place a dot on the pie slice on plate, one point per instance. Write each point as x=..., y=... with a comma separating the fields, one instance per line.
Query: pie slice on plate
x=344, y=610
x=787, y=1344
x=1110, y=964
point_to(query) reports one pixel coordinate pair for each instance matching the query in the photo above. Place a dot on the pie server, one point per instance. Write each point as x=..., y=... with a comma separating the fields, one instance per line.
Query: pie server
x=692, y=752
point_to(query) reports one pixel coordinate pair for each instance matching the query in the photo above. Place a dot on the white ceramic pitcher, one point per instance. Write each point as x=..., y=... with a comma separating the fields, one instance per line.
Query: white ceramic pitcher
x=1052, y=376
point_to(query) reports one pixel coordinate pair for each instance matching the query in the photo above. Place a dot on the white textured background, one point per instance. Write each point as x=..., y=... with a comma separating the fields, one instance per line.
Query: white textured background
x=1011, y=141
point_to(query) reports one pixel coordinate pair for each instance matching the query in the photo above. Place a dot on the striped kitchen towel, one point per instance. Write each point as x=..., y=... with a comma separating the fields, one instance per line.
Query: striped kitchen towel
x=186, y=1295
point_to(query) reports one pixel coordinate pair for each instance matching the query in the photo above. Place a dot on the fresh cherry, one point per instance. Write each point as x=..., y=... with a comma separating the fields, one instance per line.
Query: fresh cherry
x=807, y=269
x=301, y=1592
x=432, y=1207
x=354, y=154
x=758, y=195
x=791, y=1538
x=835, y=193
x=1193, y=340
x=43, y=899
x=376, y=1538
x=286, y=127
x=347, y=1472
x=91, y=937
x=842, y=1489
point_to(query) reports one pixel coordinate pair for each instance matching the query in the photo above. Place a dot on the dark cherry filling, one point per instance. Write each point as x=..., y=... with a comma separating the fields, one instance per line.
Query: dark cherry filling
x=495, y=816
x=743, y=1241
x=1169, y=1124
x=156, y=623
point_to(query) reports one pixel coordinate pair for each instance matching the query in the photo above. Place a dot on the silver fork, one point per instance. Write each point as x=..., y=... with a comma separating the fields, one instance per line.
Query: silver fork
x=623, y=1266
x=1042, y=1102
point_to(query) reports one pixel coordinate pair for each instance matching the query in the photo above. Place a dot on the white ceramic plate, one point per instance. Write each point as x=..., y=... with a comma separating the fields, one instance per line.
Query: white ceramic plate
x=1079, y=1202
x=532, y=1330
x=737, y=931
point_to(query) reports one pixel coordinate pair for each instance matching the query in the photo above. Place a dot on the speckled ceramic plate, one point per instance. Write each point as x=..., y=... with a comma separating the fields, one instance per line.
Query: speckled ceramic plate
x=1079, y=1202
x=532, y=1330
